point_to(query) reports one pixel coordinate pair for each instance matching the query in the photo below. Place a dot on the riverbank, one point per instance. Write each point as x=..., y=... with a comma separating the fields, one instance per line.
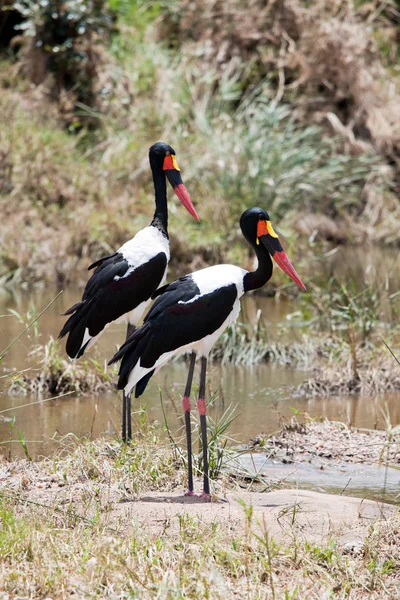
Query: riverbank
x=326, y=442
x=105, y=520
x=74, y=176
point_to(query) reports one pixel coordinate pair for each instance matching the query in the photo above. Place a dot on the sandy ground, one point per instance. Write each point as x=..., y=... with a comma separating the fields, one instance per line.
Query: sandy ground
x=97, y=483
x=310, y=515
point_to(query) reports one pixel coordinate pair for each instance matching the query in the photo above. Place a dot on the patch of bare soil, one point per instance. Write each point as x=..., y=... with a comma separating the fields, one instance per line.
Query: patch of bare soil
x=310, y=516
x=317, y=443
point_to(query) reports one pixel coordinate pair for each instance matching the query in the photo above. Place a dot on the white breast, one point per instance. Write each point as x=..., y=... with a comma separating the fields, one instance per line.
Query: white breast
x=146, y=244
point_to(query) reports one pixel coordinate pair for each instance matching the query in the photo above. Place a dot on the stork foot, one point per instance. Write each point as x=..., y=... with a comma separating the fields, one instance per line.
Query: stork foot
x=206, y=497
x=190, y=493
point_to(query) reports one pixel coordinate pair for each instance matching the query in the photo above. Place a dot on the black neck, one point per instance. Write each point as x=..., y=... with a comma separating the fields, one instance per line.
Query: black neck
x=259, y=277
x=160, y=219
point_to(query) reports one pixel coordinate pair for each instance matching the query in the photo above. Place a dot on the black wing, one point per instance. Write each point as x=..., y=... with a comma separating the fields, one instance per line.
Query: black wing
x=174, y=322
x=181, y=290
x=109, y=294
x=99, y=262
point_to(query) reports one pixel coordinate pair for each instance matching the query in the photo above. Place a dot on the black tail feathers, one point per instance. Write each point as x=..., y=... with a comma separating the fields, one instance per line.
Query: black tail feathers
x=130, y=344
x=75, y=327
x=130, y=352
x=142, y=384
x=73, y=309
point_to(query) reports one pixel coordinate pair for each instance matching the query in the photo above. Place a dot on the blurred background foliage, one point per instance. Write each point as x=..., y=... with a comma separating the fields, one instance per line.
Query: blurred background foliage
x=286, y=104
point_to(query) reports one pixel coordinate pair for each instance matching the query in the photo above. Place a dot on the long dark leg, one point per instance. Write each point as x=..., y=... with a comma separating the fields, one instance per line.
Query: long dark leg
x=123, y=417
x=186, y=410
x=201, y=406
x=129, y=417
x=126, y=403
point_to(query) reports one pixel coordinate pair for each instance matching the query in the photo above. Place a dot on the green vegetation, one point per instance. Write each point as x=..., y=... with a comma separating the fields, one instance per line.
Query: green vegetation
x=243, y=123
x=63, y=39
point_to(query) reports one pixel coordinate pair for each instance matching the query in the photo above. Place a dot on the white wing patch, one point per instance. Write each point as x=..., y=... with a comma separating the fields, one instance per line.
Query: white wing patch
x=207, y=280
x=213, y=278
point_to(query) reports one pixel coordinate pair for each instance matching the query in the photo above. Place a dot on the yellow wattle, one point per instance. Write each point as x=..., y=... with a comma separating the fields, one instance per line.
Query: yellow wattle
x=175, y=164
x=271, y=229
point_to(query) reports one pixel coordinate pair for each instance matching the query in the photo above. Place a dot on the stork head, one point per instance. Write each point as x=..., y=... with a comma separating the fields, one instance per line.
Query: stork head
x=162, y=157
x=257, y=229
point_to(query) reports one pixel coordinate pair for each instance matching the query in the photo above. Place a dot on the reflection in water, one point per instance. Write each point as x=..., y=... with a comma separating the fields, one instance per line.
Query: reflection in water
x=264, y=394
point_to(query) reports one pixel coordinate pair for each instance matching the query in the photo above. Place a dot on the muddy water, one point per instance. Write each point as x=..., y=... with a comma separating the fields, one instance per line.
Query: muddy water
x=257, y=391
x=264, y=395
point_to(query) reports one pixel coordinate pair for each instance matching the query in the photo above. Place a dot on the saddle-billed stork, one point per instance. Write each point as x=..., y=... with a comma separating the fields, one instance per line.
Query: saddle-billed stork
x=122, y=284
x=191, y=313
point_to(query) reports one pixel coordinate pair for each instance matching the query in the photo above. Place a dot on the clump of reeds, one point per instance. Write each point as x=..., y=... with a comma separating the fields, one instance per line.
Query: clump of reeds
x=54, y=374
x=243, y=344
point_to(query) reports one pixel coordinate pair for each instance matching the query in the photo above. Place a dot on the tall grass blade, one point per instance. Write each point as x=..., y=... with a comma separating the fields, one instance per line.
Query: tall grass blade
x=32, y=403
x=28, y=326
x=391, y=352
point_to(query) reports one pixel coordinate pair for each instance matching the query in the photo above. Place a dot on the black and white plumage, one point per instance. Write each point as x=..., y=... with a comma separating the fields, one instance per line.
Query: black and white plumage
x=120, y=289
x=190, y=314
x=121, y=286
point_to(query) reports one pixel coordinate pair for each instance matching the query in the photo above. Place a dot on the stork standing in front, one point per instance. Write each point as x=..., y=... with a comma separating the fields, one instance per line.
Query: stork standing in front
x=122, y=284
x=190, y=314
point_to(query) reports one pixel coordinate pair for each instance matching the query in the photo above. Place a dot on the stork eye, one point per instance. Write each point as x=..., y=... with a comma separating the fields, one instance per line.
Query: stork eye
x=168, y=153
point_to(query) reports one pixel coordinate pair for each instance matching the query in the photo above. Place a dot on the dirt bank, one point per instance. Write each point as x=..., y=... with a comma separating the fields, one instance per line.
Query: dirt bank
x=317, y=443
x=338, y=380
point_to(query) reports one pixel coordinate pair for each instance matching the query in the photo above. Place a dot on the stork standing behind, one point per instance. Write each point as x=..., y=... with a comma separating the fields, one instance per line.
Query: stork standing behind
x=190, y=314
x=122, y=284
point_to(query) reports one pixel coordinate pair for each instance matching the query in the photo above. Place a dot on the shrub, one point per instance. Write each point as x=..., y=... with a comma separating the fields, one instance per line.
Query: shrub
x=62, y=39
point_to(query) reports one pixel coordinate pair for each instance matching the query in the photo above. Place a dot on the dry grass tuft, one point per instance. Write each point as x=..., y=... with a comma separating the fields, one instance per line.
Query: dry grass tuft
x=56, y=375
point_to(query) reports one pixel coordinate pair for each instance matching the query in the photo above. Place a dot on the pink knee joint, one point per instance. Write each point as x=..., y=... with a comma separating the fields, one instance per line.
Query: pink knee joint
x=186, y=404
x=201, y=406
